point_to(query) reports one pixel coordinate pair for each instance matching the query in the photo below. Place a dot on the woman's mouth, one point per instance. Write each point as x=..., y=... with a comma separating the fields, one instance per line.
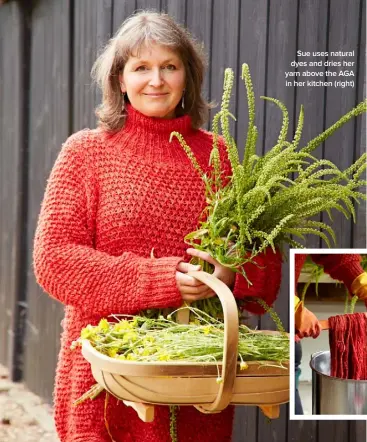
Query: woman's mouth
x=156, y=95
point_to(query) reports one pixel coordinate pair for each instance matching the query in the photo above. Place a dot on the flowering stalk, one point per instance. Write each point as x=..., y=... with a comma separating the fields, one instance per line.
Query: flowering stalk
x=271, y=200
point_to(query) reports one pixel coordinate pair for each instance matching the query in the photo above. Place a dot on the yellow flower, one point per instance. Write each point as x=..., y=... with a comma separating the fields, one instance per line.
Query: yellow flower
x=148, y=340
x=122, y=326
x=164, y=357
x=207, y=330
x=243, y=365
x=219, y=380
x=88, y=332
x=103, y=325
x=218, y=241
x=112, y=352
x=131, y=357
x=130, y=336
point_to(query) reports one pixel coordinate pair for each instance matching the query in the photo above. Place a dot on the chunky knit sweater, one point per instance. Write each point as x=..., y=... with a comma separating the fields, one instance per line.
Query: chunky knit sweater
x=110, y=200
x=342, y=267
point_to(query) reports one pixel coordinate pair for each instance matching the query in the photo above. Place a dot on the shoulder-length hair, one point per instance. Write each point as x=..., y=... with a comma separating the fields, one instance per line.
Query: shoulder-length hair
x=146, y=28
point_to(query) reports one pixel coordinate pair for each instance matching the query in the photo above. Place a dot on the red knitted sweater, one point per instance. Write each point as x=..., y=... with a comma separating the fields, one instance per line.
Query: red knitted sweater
x=109, y=201
x=342, y=267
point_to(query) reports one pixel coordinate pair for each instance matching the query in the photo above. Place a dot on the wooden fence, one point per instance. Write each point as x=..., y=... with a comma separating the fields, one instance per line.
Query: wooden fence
x=47, y=48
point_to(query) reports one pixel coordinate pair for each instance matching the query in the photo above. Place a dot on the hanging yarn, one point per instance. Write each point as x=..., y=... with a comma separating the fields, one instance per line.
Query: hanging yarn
x=348, y=352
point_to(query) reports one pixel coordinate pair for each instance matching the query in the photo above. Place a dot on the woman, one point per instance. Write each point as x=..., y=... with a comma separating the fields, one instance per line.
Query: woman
x=118, y=193
x=342, y=267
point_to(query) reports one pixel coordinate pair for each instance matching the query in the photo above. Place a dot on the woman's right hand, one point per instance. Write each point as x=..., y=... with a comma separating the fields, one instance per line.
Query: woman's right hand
x=190, y=288
x=306, y=323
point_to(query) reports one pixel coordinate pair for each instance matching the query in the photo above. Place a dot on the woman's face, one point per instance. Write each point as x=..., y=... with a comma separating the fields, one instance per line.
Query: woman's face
x=154, y=81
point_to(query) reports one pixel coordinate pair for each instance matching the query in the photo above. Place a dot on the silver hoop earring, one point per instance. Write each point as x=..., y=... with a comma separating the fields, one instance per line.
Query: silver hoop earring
x=123, y=101
x=183, y=100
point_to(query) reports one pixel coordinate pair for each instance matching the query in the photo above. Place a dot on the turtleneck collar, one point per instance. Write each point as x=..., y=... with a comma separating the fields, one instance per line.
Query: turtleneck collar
x=137, y=122
x=148, y=138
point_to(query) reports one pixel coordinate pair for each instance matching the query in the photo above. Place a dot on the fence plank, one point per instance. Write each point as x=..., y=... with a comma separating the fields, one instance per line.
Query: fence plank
x=343, y=36
x=10, y=161
x=312, y=36
x=245, y=424
x=359, y=229
x=282, y=20
x=225, y=40
x=152, y=5
x=252, y=50
x=176, y=9
x=84, y=55
x=122, y=10
x=49, y=127
x=357, y=431
x=302, y=431
x=337, y=431
x=199, y=22
x=281, y=49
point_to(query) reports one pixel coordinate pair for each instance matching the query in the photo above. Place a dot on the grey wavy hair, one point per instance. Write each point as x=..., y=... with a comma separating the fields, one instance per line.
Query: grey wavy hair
x=146, y=28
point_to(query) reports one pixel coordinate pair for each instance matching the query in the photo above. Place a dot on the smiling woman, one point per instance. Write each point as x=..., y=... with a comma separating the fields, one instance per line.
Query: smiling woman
x=151, y=54
x=115, y=194
x=154, y=81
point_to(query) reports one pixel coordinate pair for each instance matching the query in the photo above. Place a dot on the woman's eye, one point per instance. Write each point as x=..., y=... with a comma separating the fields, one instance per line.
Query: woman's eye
x=141, y=68
x=171, y=67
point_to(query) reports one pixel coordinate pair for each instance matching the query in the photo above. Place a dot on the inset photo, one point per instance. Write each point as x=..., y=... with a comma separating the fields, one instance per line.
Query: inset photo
x=328, y=325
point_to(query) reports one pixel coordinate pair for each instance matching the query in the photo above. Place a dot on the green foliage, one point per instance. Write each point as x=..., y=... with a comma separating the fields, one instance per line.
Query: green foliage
x=353, y=303
x=316, y=271
x=152, y=340
x=274, y=316
x=271, y=200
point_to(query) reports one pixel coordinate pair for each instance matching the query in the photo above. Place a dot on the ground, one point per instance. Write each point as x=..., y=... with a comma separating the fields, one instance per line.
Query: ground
x=24, y=417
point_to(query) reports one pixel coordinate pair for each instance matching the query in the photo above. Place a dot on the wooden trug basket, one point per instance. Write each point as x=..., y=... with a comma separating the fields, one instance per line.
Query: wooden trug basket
x=143, y=384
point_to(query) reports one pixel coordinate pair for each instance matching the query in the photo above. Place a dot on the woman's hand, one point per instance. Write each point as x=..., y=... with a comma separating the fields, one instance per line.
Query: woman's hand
x=221, y=272
x=190, y=288
x=306, y=323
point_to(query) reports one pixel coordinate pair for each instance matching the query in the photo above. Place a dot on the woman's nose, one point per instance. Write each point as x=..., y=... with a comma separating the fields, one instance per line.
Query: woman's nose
x=156, y=78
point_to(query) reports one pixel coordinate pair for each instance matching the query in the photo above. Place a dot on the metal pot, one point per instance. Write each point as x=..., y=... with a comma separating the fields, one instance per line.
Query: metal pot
x=332, y=395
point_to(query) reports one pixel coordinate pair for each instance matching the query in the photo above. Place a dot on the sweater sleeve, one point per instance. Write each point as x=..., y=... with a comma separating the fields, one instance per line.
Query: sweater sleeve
x=265, y=277
x=342, y=267
x=71, y=270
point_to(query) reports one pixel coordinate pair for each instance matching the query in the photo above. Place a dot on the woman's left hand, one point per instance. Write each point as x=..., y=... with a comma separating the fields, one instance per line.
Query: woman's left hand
x=223, y=273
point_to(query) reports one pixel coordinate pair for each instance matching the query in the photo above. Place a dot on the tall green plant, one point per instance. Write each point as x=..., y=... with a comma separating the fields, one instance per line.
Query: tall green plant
x=270, y=200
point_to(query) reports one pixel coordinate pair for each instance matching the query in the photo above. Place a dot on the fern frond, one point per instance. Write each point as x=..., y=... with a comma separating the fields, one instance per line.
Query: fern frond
x=250, y=147
x=298, y=134
x=358, y=110
x=284, y=130
x=321, y=225
x=301, y=231
x=214, y=155
x=189, y=153
x=225, y=114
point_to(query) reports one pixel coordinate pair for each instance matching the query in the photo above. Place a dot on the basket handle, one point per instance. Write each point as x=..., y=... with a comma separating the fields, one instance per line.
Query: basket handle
x=230, y=349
